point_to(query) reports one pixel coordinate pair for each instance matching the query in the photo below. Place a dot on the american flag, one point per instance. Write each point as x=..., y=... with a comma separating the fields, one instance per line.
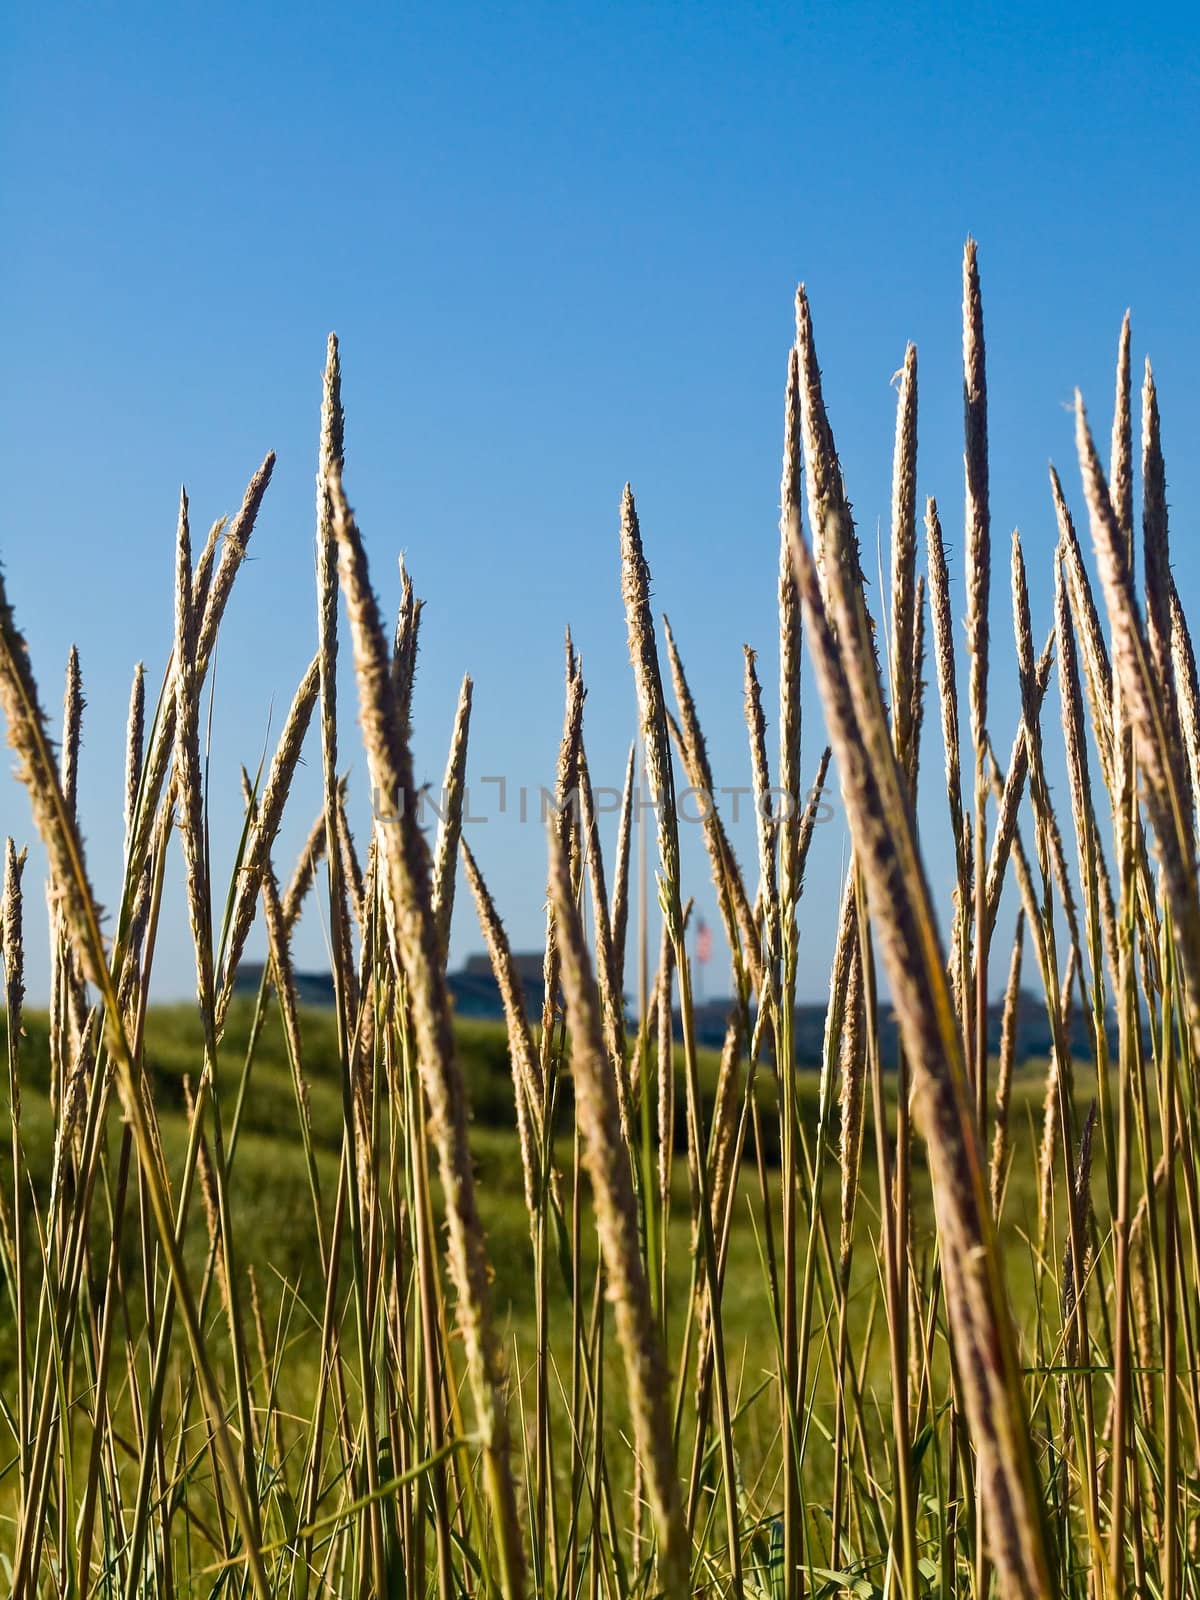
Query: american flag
x=703, y=941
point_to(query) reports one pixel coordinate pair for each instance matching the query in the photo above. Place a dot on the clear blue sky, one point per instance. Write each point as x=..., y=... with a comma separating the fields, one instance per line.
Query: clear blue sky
x=559, y=244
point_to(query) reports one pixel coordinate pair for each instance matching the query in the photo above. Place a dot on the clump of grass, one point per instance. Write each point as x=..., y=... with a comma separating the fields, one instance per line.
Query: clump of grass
x=965, y=1366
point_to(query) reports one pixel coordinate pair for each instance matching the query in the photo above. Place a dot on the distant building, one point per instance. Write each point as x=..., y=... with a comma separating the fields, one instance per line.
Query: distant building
x=476, y=993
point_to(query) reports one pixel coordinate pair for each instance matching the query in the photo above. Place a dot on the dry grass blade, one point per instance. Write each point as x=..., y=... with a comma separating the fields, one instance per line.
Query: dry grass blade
x=1008, y=1052
x=256, y=858
x=901, y=912
x=233, y=553
x=1081, y=1199
x=12, y=958
x=917, y=713
x=565, y=785
x=851, y=1095
x=12, y=949
x=978, y=548
x=612, y=998
x=616, y=1213
x=808, y=817
x=285, y=984
x=1096, y=664
x=208, y=1193
x=202, y=575
x=643, y=654
x=724, y=1138
x=1121, y=459
x=652, y=712
x=737, y=915
x=208, y=621
x=135, y=733
x=790, y=638
x=73, y=704
x=904, y=556
x=979, y=1313
x=331, y=453
x=1183, y=662
x=665, y=1107
x=406, y=868
x=189, y=778
x=619, y=912
x=528, y=1092
x=1161, y=761
x=404, y=649
x=947, y=678
x=37, y=769
x=352, y=872
x=1074, y=737
x=766, y=823
x=445, y=854
x=304, y=871
x=1157, y=557
x=821, y=466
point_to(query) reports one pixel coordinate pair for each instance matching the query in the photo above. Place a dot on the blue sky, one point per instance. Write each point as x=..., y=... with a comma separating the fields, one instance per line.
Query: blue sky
x=559, y=245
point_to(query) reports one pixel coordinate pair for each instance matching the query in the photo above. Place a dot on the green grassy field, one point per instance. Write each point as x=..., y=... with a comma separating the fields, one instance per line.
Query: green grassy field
x=274, y=1214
